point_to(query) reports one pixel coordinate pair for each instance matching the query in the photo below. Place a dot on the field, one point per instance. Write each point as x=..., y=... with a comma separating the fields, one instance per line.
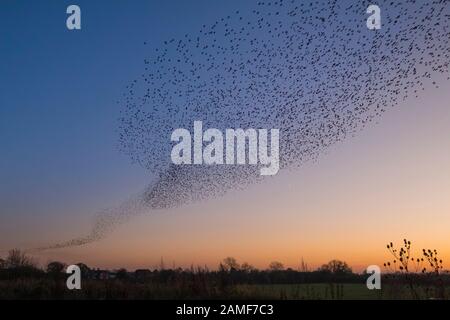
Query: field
x=318, y=291
x=124, y=290
x=21, y=278
x=330, y=291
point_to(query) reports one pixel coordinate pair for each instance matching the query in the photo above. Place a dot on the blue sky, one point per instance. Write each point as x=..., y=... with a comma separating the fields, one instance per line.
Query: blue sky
x=58, y=114
x=58, y=104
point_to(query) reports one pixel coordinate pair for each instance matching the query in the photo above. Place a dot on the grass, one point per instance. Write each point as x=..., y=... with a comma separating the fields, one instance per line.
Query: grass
x=123, y=290
x=324, y=291
x=318, y=291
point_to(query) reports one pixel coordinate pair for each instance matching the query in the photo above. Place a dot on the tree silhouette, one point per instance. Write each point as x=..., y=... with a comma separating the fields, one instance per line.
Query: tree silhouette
x=246, y=267
x=276, y=266
x=18, y=259
x=336, y=267
x=55, y=267
x=230, y=264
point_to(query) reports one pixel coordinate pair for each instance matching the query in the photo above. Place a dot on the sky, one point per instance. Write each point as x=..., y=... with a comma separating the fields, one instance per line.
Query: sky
x=60, y=162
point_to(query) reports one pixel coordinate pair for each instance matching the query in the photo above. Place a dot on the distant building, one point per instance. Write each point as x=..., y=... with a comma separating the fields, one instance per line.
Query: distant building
x=103, y=274
x=142, y=274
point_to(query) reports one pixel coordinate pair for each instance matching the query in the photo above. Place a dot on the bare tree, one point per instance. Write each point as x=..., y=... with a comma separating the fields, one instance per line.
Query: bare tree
x=303, y=266
x=336, y=267
x=276, y=266
x=246, y=267
x=18, y=259
x=230, y=264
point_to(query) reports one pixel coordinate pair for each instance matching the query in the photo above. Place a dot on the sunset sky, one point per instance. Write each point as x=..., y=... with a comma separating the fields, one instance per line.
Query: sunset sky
x=60, y=165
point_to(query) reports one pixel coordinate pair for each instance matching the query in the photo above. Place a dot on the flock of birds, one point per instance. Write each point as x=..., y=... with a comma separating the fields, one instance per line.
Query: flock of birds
x=309, y=68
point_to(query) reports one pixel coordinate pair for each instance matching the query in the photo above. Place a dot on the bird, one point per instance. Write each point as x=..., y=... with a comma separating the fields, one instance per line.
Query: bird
x=309, y=68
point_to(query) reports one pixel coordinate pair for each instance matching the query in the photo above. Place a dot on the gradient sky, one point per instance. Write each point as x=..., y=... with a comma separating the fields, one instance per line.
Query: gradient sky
x=59, y=162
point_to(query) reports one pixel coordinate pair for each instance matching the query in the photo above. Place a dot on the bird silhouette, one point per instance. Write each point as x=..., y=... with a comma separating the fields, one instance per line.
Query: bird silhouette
x=309, y=68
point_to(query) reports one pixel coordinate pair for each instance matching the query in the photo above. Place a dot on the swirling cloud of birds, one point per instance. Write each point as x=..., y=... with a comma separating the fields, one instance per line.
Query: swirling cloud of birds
x=309, y=68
